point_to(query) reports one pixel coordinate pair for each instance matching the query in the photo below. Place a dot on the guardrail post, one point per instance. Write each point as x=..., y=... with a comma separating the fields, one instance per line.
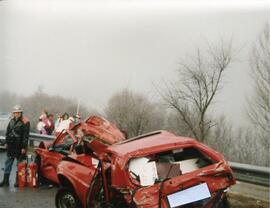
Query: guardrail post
x=31, y=143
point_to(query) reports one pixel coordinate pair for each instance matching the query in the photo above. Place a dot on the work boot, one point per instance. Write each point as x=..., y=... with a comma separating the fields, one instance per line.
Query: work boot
x=16, y=181
x=5, y=181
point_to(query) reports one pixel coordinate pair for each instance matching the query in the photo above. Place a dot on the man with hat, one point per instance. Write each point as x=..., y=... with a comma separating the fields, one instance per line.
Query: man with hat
x=17, y=140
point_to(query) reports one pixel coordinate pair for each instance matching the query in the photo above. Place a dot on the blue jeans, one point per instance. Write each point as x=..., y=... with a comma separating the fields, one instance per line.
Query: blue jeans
x=9, y=163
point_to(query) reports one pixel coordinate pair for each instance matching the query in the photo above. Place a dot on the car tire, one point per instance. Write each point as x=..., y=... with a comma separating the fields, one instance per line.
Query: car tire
x=224, y=203
x=67, y=198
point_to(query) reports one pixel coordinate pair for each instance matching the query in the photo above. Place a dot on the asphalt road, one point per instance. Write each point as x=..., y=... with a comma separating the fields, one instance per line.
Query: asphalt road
x=24, y=197
x=246, y=195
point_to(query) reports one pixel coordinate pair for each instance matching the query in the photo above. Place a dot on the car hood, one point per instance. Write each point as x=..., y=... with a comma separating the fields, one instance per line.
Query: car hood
x=105, y=132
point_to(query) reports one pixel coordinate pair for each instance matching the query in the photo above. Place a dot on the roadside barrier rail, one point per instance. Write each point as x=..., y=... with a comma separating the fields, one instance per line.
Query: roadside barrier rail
x=251, y=173
x=40, y=137
x=243, y=172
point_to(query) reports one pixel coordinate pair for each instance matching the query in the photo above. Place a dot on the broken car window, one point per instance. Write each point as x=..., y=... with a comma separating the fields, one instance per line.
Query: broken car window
x=64, y=144
x=160, y=166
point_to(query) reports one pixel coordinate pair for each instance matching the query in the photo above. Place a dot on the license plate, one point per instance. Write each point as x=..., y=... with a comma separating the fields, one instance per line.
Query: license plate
x=193, y=194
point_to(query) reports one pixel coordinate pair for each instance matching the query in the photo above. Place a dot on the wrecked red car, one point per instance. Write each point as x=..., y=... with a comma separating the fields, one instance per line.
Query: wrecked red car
x=49, y=154
x=156, y=170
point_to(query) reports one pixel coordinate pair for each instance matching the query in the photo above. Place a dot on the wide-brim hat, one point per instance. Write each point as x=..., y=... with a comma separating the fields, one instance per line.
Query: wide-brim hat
x=17, y=109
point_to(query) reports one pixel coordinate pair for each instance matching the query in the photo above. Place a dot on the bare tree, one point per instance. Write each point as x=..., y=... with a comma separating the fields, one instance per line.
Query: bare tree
x=134, y=113
x=198, y=81
x=175, y=124
x=38, y=101
x=259, y=104
x=222, y=138
x=237, y=145
x=246, y=149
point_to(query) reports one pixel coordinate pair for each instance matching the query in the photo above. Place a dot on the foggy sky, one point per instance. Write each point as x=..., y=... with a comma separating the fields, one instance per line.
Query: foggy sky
x=88, y=50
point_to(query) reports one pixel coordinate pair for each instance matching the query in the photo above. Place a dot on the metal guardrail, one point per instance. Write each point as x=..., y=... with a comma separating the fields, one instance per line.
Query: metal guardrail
x=243, y=172
x=40, y=137
x=251, y=173
x=35, y=139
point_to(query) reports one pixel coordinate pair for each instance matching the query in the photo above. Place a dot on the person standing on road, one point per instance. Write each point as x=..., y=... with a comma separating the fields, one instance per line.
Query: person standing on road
x=65, y=123
x=41, y=126
x=50, y=129
x=17, y=135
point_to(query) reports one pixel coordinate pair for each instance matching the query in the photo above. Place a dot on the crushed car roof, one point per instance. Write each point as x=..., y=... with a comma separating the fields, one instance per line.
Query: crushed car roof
x=149, y=141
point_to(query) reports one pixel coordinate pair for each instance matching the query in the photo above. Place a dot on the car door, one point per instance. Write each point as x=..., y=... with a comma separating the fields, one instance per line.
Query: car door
x=55, y=153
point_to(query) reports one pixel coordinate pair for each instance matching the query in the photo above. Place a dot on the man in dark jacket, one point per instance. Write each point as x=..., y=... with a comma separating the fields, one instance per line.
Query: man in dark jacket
x=17, y=140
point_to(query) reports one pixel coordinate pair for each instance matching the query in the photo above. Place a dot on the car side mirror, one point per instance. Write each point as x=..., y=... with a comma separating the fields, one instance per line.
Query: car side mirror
x=79, y=149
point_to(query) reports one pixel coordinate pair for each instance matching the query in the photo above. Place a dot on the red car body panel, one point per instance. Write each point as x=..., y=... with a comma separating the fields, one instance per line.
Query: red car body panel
x=164, y=141
x=149, y=196
x=116, y=157
x=98, y=127
x=81, y=180
x=49, y=158
x=104, y=131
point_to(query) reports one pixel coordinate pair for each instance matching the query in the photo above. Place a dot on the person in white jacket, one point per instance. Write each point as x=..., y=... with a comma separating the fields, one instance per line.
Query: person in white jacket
x=41, y=127
x=65, y=123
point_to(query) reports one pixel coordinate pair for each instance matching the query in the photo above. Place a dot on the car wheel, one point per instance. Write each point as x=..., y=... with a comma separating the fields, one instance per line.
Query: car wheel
x=224, y=203
x=67, y=198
